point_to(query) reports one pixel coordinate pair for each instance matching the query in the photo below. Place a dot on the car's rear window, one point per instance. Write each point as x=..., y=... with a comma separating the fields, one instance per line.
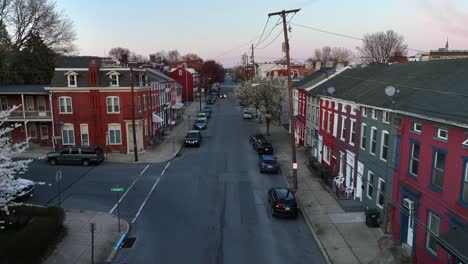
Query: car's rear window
x=272, y=162
x=285, y=194
x=192, y=135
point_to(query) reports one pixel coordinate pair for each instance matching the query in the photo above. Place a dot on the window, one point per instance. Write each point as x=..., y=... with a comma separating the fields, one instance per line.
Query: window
x=72, y=80
x=32, y=130
x=68, y=135
x=323, y=119
x=180, y=72
x=65, y=104
x=343, y=128
x=114, y=79
x=329, y=121
x=370, y=184
x=374, y=114
x=442, y=134
x=433, y=225
x=317, y=112
x=414, y=162
x=381, y=193
x=465, y=143
x=141, y=79
x=29, y=103
x=343, y=108
x=115, y=136
x=386, y=117
x=44, y=131
x=364, y=111
x=326, y=154
x=139, y=103
x=84, y=134
x=352, y=134
x=146, y=127
x=417, y=127
x=144, y=102
x=384, y=146
x=465, y=184
x=363, y=136
x=373, y=140
x=3, y=103
x=335, y=124
x=41, y=103
x=438, y=169
x=113, y=104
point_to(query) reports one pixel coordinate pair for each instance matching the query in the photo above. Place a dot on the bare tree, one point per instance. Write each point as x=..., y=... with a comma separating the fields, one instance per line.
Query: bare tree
x=324, y=54
x=340, y=53
x=379, y=47
x=25, y=18
x=328, y=53
x=137, y=57
x=117, y=52
x=173, y=55
x=191, y=56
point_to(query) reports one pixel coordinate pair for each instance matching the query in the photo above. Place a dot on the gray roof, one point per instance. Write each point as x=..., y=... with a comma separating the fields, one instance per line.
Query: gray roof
x=76, y=61
x=314, y=78
x=23, y=89
x=434, y=88
x=159, y=75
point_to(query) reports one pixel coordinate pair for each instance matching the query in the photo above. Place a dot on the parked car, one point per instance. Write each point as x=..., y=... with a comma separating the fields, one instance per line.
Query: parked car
x=264, y=147
x=268, y=163
x=84, y=155
x=200, y=124
x=207, y=109
x=202, y=115
x=282, y=201
x=247, y=114
x=18, y=192
x=223, y=96
x=210, y=100
x=193, y=138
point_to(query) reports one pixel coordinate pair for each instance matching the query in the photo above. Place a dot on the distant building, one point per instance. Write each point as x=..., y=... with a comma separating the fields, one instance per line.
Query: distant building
x=446, y=54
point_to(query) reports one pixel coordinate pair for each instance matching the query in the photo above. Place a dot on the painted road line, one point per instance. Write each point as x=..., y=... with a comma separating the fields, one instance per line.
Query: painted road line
x=129, y=188
x=120, y=241
x=146, y=199
x=165, y=168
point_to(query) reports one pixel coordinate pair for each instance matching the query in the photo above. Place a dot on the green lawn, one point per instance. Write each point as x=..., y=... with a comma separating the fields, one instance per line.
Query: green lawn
x=33, y=236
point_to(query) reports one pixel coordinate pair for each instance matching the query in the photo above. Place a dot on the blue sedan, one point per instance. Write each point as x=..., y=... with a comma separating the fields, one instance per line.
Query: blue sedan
x=268, y=163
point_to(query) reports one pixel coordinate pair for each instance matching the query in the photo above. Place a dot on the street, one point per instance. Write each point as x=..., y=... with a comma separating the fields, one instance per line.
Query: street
x=207, y=206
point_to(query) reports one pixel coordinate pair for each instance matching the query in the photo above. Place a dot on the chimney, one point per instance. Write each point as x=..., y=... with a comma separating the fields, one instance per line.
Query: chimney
x=124, y=60
x=340, y=64
x=93, y=74
x=318, y=65
x=152, y=57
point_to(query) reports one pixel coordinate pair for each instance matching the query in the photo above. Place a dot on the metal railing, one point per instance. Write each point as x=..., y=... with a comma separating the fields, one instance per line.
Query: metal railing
x=18, y=114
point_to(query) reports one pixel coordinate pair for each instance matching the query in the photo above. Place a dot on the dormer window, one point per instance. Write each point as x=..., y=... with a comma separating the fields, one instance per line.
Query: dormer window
x=465, y=143
x=442, y=134
x=113, y=78
x=72, y=78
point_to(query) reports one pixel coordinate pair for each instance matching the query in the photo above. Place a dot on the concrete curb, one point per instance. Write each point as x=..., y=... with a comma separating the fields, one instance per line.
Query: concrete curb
x=115, y=250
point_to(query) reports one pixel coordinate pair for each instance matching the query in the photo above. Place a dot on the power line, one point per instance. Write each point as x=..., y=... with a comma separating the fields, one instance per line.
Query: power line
x=263, y=31
x=269, y=33
x=271, y=42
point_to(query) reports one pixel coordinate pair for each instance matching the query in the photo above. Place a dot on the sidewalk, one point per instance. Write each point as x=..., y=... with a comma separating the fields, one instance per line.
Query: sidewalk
x=164, y=151
x=343, y=236
x=76, y=245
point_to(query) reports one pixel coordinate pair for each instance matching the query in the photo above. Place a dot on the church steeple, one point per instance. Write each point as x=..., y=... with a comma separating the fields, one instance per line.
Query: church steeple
x=446, y=44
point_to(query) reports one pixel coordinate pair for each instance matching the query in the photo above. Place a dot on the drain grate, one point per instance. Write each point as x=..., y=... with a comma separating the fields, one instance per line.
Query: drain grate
x=128, y=242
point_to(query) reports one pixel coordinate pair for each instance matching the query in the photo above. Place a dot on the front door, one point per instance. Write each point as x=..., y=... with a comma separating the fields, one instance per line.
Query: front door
x=349, y=168
x=410, y=233
x=139, y=137
x=319, y=149
x=360, y=171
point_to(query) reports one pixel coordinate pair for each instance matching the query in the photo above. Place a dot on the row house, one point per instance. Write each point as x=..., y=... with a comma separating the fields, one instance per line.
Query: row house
x=409, y=142
x=189, y=79
x=92, y=104
x=34, y=113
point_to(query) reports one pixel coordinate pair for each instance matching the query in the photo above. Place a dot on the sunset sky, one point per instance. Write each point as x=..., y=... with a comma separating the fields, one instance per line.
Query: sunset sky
x=217, y=29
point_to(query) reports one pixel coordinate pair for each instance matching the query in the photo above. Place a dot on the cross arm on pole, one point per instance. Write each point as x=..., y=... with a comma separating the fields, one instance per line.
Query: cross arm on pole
x=284, y=12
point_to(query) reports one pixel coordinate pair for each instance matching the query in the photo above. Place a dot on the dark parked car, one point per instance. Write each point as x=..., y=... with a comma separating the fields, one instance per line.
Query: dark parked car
x=207, y=110
x=264, y=148
x=268, y=163
x=193, y=138
x=17, y=192
x=83, y=155
x=282, y=201
x=200, y=124
x=255, y=137
x=210, y=100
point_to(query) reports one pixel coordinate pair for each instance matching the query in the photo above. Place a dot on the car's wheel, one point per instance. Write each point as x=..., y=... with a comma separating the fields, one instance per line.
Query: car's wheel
x=85, y=162
x=52, y=161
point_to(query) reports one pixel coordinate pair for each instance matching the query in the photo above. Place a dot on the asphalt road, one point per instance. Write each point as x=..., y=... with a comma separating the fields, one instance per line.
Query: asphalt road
x=209, y=205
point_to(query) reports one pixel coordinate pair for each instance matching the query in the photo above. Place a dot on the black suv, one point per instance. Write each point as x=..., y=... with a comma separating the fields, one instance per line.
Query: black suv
x=83, y=155
x=282, y=201
x=193, y=138
x=264, y=148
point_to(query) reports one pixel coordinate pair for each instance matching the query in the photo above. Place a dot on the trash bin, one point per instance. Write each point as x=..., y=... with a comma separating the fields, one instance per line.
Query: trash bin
x=372, y=216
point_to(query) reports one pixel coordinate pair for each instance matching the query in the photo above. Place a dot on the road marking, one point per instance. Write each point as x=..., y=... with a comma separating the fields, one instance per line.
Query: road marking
x=165, y=168
x=129, y=188
x=144, y=202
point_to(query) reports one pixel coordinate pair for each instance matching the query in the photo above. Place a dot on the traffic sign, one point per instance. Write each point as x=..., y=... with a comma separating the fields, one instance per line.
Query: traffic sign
x=117, y=189
x=58, y=176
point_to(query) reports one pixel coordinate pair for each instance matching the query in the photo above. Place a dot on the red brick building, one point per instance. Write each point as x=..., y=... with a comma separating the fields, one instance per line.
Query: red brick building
x=189, y=79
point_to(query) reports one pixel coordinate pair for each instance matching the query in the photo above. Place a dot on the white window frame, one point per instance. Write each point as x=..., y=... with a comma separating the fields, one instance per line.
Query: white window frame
x=112, y=80
x=41, y=103
x=317, y=112
x=44, y=135
x=414, y=158
x=329, y=114
x=386, y=117
x=32, y=126
x=29, y=103
x=145, y=123
x=114, y=102
x=326, y=154
x=440, y=170
x=370, y=184
x=352, y=131
x=71, y=138
x=84, y=130
x=65, y=102
x=343, y=108
x=140, y=79
x=439, y=136
x=364, y=111
x=465, y=143
x=371, y=140
x=139, y=104
x=144, y=102
x=379, y=193
x=75, y=79
x=429, y=232
x=323, y=119
x=415, y=124
x=343, y=128
x=384, y=132
x=335, y=124
x=114, y=129
x=363, y=136
x=374, y=114
x=465, y=184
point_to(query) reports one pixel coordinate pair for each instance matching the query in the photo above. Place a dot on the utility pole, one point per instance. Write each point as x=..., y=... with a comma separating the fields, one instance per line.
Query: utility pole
x=135, y=149
x=253, y=62
x=199, y=88
x=291, y=109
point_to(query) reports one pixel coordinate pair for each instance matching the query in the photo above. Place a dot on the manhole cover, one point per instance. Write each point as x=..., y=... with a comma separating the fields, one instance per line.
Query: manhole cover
x=128, y=242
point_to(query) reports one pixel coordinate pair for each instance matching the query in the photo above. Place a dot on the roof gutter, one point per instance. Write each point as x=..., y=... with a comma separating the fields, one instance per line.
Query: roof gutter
x=326, y=79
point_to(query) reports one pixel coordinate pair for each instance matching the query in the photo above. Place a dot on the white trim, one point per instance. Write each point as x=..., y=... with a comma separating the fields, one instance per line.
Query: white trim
x=329, y=121
x=343, y=107
x=430, y=232
x=120, y=69
x=352, y=129
x=413, y=128
x=71, y=69
x=384, y=119
x=439, y=136
x=117, y=77
x=384, y=132
x=326, y=154
x=68, y=125
x=65, y=105
x=363, y=125
x=411, y=158
x=84, y=130
x=113, y=105
x=465, y=143
x=373, y=132
x=323, y=119
x=335, y=124
x=328, y=78
x=114, y=127
x=379, y=193
x=343, y=125
x=374, y=114
x=370, y=184
x=364, y=111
